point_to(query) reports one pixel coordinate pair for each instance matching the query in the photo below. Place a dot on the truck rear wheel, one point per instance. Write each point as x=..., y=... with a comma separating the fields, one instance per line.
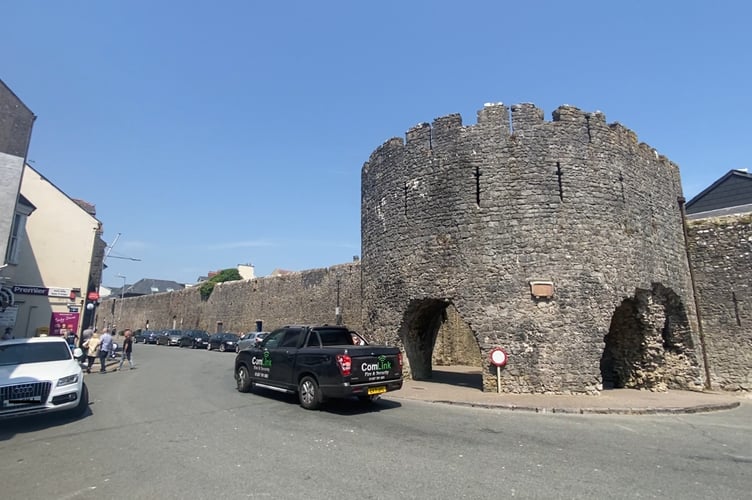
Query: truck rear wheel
x=309, y=394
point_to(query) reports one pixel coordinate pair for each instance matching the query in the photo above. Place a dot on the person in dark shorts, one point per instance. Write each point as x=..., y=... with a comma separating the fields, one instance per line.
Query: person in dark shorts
x=127, y=350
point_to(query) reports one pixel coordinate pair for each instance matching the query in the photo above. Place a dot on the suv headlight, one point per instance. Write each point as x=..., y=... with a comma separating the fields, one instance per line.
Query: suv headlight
x=70, y=379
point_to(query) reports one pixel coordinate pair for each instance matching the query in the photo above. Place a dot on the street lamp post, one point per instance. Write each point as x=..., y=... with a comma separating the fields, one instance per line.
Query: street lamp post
x=122, y=295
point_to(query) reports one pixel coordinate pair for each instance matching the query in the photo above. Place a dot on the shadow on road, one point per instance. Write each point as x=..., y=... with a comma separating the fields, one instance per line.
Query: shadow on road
x=22, y=425
x=349, y=406
x=462, y=376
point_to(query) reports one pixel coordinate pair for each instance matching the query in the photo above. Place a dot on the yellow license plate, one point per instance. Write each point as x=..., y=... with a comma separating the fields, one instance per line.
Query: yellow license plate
x=376, y=390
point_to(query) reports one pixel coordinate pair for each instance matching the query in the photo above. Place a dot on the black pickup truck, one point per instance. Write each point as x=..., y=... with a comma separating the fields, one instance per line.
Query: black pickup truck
x=319, y=362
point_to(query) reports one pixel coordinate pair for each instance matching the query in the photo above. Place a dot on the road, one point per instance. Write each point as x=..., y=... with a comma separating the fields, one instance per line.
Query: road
x=175, y=427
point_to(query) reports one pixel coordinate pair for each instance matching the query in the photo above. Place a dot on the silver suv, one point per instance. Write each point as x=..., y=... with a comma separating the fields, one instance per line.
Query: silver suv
x=250, y=339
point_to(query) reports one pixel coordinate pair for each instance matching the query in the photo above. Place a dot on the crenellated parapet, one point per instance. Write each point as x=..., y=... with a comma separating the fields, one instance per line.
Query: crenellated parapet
x=519, y=122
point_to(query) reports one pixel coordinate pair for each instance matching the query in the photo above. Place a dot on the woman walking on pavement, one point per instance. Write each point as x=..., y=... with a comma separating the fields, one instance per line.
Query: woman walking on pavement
x=92, y=350
x=127, y=350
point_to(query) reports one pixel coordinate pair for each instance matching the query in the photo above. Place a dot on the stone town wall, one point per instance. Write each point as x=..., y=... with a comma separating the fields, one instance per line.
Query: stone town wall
x=470, y=215
x=721, y=253
x=301, y=297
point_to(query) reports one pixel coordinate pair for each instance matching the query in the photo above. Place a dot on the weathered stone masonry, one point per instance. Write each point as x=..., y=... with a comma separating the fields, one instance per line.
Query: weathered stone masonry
x=469, y=216
x=457, y=221
x=305, y=297
x=721, y=253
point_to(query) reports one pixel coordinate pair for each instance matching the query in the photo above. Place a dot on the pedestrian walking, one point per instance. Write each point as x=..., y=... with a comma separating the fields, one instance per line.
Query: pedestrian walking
x=72, y=339
x=104, y=350
x=92, y=350
x=127, y=349
x=87, y=333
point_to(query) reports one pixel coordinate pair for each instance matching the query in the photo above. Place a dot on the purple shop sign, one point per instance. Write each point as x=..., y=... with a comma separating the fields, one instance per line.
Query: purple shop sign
x=63, y=320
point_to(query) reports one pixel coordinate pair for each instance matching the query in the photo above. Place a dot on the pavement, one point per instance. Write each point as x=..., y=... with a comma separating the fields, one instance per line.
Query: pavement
x=460, y=385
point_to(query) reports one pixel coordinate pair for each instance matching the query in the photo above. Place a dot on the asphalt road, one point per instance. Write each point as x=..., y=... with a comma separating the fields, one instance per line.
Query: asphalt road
x=176, y=428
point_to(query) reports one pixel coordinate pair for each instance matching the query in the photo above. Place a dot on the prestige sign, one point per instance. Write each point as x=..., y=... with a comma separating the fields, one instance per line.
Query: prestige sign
x=41, y=291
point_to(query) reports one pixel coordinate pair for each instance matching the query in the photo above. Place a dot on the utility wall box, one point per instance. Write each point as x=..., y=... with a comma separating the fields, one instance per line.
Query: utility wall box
x=542, y=289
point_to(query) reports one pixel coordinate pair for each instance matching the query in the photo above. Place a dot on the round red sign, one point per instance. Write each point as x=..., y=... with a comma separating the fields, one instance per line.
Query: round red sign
x=498, y=356
x=93, y=296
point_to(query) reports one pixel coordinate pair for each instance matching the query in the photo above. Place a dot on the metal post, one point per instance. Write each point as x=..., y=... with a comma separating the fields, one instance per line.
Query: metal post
x=337, y=310
x=700, y=330
x=122, y=295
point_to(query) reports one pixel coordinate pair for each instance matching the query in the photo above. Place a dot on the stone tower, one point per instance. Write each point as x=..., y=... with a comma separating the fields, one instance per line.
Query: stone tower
x=561, y=242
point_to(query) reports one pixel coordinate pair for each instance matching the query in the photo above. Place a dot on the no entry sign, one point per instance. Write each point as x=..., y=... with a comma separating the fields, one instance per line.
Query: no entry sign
x=498, y=357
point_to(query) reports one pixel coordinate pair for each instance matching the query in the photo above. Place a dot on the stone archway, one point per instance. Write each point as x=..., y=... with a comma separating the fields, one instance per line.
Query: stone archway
x=649, y=345
x=434, y=335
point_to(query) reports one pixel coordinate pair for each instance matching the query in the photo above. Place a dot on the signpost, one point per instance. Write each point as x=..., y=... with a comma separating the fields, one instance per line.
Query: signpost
x=499, y=359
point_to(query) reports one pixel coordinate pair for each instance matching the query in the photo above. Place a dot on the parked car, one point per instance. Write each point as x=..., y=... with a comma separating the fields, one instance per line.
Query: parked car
x=188, y=337
x=223, y=341
x=199, y=339
x=250, y=339
x=40, y=375
x=146, y=337
x=170, y=337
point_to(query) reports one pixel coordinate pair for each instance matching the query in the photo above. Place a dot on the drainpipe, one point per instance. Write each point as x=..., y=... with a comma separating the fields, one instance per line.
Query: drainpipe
x=700, y=330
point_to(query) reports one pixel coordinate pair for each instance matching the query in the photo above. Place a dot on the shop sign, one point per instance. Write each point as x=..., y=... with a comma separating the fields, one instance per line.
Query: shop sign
x=41, y=291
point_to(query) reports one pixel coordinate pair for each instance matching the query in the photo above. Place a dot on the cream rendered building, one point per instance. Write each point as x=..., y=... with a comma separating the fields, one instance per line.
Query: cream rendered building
x=247, y=271
x=60, y=260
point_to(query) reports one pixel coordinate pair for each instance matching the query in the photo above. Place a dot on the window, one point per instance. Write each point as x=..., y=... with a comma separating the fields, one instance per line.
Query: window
x=273, y=340
x=313, y=339
x=16, y=354
x=335, y=336
x=292, y=337
x=19, y=223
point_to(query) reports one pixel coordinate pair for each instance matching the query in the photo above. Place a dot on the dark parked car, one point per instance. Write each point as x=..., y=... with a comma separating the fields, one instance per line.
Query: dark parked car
x=201, y=340
x=160, y=334
x=146, y=337
x=195, y=339
x=170, y=337
x=223, y=341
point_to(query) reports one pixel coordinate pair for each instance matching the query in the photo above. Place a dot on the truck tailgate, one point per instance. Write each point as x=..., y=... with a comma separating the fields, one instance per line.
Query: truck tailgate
x=368, y=366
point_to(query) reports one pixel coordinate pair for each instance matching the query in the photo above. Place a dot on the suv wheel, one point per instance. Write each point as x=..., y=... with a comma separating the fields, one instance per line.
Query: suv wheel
x=83, y=404
x=309, y=394
x=243, y=379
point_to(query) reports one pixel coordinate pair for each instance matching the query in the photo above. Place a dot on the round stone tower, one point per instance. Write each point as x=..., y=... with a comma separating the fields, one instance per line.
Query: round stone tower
x=561, y=242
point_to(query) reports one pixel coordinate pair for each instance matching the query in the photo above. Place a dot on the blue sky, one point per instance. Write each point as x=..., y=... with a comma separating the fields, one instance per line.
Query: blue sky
x=210, y=134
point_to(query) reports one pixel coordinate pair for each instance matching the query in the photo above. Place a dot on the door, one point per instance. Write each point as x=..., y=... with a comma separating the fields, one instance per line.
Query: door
x=282, y=347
